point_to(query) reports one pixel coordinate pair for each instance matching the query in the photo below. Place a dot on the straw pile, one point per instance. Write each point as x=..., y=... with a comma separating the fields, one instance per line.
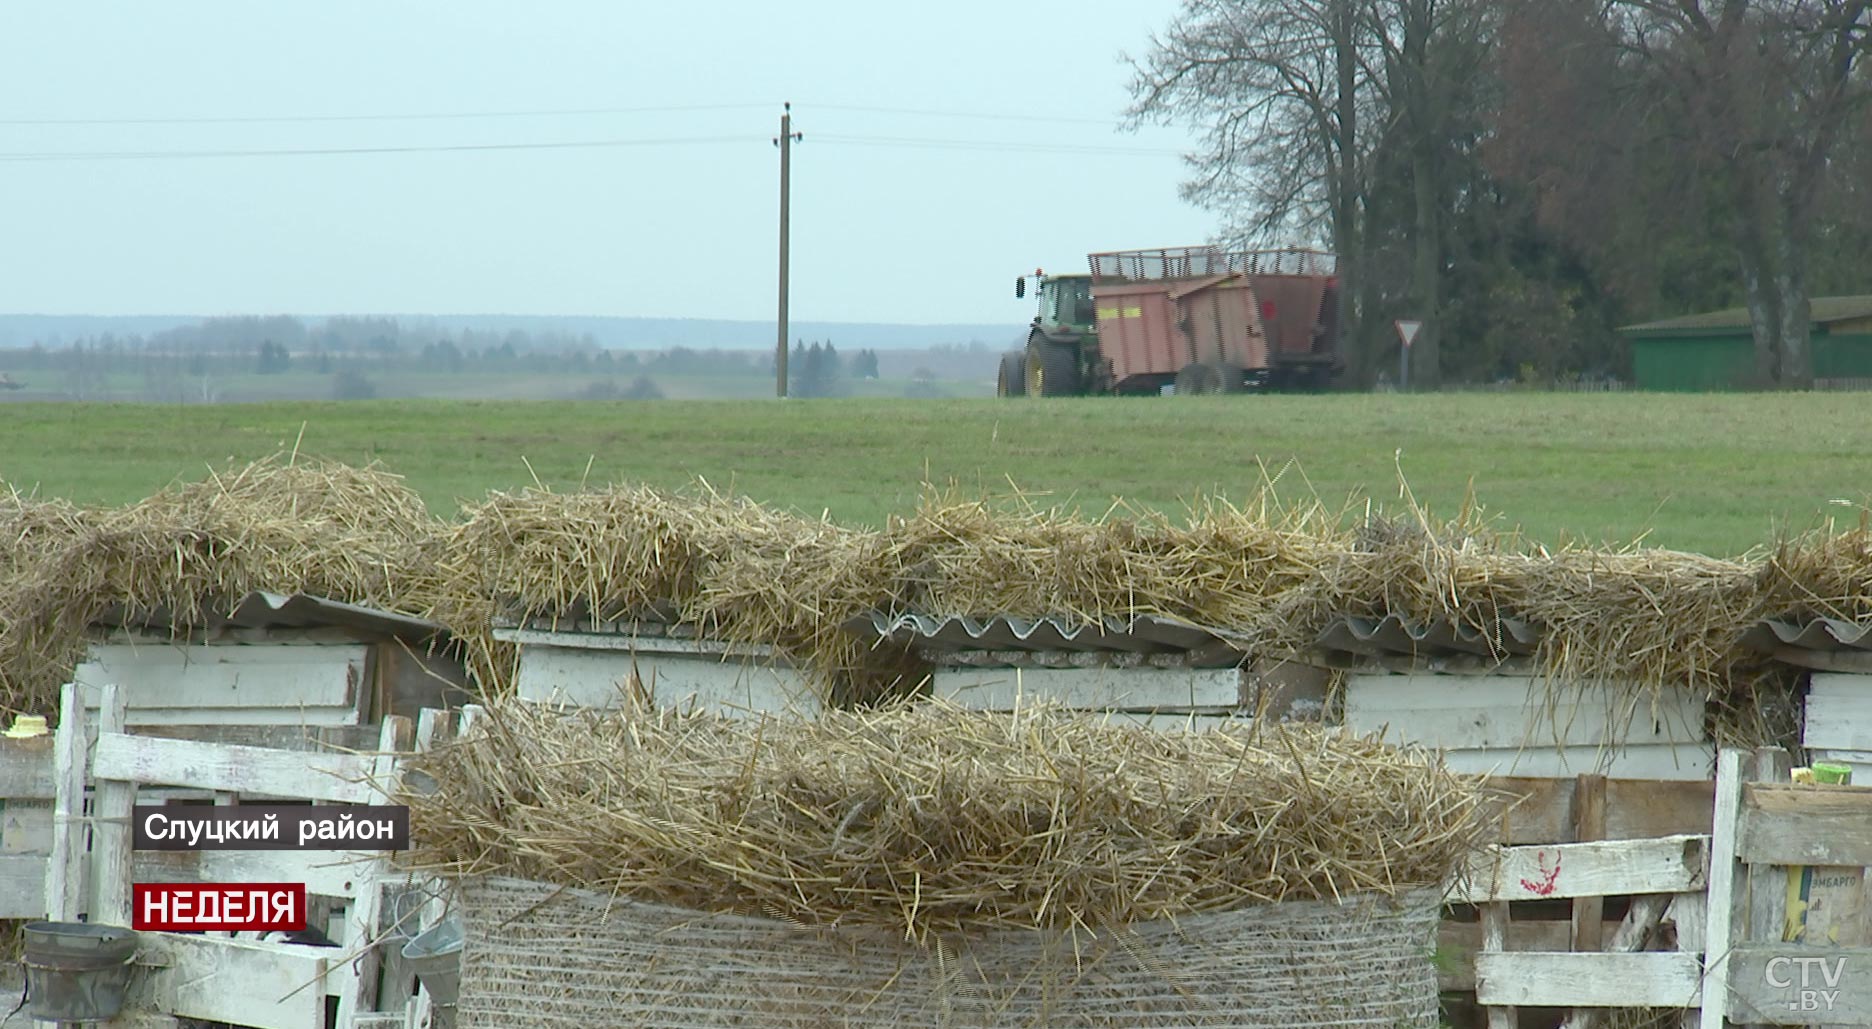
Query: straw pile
x=925, y=818
x=1271, y=574
x=352, y=534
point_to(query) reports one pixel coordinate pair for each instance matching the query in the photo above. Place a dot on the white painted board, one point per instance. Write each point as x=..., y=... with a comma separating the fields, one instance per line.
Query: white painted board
x=1500, y=712
x=1839, y=713
x=254, y=772
x=324, y=873
x=1097, y=689
x=193, y=684
x=1680, y=762
x=1668, y=864
x=26, y=827
x=1174, y=723
x=262, y=985
x=1647, y=980
x=26, y=769
x=592, y=678
x=23, y=886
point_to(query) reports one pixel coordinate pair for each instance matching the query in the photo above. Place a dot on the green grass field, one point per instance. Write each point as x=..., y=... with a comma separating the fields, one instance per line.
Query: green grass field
x=1717, y=474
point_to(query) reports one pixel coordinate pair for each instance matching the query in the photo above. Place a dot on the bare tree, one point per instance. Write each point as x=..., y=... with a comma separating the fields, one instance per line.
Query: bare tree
x=1282, y=92
x=1429, y=53
x=1304, y=104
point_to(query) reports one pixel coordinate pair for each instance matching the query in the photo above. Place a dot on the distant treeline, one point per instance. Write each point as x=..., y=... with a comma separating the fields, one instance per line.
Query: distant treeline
x=191, y=362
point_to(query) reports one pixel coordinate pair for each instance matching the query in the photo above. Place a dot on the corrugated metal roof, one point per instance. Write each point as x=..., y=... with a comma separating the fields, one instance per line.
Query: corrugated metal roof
x=1822, y=634
x=1144, y=634
x=1392, y=636
x=1824, y=310
x=263, y=610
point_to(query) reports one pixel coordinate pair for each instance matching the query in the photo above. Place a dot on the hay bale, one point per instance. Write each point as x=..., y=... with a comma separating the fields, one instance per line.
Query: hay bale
x=925, y=819
x=537, y=956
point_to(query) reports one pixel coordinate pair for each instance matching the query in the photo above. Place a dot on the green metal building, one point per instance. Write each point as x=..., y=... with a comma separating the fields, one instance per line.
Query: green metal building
x=1716, y=351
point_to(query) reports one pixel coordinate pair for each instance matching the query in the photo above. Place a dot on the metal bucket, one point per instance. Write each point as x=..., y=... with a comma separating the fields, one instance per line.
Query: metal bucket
x=435, y=956
x=77, y=972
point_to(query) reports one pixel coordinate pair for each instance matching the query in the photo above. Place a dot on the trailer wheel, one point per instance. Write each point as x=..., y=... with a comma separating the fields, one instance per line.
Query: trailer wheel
x=1229, y=378
x=1195, y=380
x=1052, y=369
x=1210, y=378
x=1012, y=379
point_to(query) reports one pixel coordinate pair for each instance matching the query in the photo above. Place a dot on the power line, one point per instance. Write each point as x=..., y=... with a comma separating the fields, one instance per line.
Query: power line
x=289, y=119
x=429, y=116
x=978, y=115
x=1081, y=149
x=997, y=145
x=141, y=155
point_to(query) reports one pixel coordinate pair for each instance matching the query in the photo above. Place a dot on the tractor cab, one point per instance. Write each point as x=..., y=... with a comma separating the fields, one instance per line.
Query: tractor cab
x=1065, y=303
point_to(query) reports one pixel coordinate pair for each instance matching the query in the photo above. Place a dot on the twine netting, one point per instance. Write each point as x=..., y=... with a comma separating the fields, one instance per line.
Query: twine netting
x=538, y=956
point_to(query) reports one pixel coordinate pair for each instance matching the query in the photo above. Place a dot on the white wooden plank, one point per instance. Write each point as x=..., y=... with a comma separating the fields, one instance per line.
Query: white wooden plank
x=282, y=717
x=1669, y=762
x=1634, y=931
x=1178, y=722
x=589, y=678
x=358, y=976
x=1650, y=980
x=26, y=827
x=265, y=986
x=1513, y=711
x=1839, y=712
x=1785, y=824
x=249, y=771
x=110, y=828
x=1495, y=938
x=713, y=649
x=1719, y=928
x=23, y=886
x=26, y=769
x=182, y=684
x=324, y=873
x=66, y=885
x=1689, y=914
x=1098, y=688
x=1671, y=864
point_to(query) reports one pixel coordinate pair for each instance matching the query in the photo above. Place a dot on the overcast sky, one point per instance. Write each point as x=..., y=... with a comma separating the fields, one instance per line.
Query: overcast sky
x=897, y=216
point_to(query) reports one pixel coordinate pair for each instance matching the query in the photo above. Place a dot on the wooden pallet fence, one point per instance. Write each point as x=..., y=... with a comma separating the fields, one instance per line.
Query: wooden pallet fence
x=1544, y=813
x=284, y=986
x=1766, y=826
x=1664, y=879
x=28, y=796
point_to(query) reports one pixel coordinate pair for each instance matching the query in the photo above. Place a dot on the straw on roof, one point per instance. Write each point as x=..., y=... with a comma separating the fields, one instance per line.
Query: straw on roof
x=927, y=818
x=1270, y=574
x=296, y=526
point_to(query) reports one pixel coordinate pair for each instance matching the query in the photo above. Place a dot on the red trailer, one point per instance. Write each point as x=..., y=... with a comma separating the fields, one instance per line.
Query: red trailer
x=1206, y=319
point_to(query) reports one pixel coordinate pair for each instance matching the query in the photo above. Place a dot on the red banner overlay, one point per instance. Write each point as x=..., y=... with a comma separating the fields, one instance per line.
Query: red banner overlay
x=229, y=907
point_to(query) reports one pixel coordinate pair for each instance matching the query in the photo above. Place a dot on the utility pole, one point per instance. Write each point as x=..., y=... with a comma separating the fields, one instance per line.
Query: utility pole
x=785, y=142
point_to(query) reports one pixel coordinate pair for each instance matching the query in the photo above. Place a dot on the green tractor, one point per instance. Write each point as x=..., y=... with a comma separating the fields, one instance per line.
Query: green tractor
x=1061, y=358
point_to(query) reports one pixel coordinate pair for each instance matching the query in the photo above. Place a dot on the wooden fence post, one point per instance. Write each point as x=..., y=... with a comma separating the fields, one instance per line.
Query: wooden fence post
x=65, y=878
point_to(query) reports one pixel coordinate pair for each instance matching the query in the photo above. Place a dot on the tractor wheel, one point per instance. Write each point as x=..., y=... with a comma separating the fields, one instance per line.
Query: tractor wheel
x=1052, y=369
x=1012, y=380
